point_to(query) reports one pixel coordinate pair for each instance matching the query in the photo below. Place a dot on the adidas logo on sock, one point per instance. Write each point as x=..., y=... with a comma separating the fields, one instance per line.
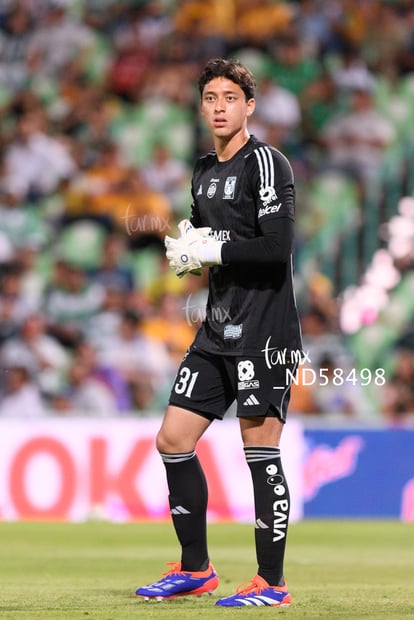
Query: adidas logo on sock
x=179, y=510
x=260, y=525
x=251, y=400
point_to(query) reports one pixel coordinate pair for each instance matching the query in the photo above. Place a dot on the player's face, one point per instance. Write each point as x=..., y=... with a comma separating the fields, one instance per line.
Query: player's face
x=224, y=108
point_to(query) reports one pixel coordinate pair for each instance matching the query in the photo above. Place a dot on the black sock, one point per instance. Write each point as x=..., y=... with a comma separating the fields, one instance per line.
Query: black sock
x=188, y=504
x=272, y=503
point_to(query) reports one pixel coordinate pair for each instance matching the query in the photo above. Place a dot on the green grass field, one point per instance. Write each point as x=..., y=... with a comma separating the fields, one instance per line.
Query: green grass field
x=335, y=569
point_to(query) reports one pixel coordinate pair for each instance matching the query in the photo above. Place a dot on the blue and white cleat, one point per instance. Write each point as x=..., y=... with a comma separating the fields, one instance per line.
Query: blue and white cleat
x=176, y=582
x=257, y=593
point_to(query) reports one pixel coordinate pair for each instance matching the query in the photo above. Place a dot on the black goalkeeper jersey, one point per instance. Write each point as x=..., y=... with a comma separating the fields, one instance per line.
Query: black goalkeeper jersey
x=249, y=202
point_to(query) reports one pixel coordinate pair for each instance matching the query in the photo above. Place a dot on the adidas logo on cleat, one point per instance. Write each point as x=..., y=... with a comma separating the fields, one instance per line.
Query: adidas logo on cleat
x=258, y=593
x=175, y=583
x=251, y=400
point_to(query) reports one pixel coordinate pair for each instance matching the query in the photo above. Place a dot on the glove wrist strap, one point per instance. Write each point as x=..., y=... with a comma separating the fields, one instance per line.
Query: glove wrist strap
x=212, y=253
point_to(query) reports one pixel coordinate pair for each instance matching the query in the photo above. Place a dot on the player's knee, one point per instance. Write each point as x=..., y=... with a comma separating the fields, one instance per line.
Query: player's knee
x=261, y=431
x=168, y=444
x=161, y=443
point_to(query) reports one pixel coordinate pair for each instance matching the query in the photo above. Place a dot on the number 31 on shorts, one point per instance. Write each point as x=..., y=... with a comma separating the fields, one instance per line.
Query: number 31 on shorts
x=185, y=381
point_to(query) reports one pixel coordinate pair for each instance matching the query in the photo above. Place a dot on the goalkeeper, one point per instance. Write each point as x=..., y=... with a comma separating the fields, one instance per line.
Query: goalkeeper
x=241, y=229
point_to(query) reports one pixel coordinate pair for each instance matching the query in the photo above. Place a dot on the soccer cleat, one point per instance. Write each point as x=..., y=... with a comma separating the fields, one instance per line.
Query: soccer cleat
x=258, y=593
x=176, y=582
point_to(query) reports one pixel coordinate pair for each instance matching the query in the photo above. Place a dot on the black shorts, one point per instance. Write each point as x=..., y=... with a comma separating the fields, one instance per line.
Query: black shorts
x=208, y=384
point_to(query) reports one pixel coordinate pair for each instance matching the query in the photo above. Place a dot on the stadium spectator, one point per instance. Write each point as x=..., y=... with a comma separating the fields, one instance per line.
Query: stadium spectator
x=201, y=36
x=15, y=306
x=278, y=108
x=290, y=66
x=259, y=21
x=23, y=225
x=105, y=174
x=113, y=271
x=58, y=38
x=85, y=112
x=129, y=70
x=35, y=162
x=15, y=40
x=135, y=209
x=20, y=397
x=7, y=252
x=319, y=296
x=313, y=27
x=405, y=55
x=397, y=395
x=209, y=18
x=169, y=175
x=154, y=24
x=142, y=360
x=319, y=102
x=351, y=70
x=385, y=37
x=320, y=339
x=357, y=139
x=70, y=302
x=112, y=378
x=39, y=352
x=173, y=322
x=104, y=325
x=339, y=396
x=85, y=394
x=302, y=398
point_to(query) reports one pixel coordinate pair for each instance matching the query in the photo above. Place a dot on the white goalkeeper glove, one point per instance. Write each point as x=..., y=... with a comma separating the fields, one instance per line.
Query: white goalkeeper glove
x=187, y=231
x=193, y=250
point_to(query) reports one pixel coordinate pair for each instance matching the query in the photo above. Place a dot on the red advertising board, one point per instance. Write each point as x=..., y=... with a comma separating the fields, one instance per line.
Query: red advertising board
x=78, y=468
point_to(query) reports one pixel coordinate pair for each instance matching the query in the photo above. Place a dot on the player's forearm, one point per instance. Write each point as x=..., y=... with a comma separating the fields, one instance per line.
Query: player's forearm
x=275, y=247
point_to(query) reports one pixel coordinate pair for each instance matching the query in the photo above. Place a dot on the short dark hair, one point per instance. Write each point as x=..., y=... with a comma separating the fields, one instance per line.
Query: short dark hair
x=232, y=70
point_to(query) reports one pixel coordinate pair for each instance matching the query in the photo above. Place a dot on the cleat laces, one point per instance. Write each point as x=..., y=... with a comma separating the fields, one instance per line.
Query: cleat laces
x=254, y=586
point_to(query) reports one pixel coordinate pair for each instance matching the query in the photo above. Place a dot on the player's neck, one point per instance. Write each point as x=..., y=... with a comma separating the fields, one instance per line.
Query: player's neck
x=226, y=148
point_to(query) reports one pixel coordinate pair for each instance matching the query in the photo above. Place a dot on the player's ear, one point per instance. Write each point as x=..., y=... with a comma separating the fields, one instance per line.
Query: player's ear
x=251, y=104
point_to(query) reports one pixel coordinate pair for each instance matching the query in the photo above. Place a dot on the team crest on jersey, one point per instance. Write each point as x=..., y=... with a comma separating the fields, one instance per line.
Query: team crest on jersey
x=233, y=332
x=267, y=195
x=212, y=190
x=229, y=188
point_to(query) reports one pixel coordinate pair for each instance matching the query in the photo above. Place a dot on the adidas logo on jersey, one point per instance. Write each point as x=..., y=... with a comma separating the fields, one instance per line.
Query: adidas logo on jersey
x=251, y=400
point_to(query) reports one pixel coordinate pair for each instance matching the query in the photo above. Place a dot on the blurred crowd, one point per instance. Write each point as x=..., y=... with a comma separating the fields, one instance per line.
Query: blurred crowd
x=99, y=133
